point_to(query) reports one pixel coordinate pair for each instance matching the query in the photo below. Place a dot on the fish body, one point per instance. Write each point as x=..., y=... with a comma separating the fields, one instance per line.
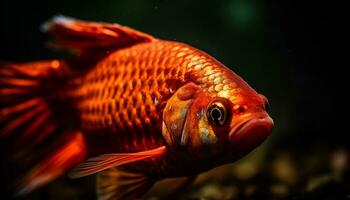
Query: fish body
x=142, y=108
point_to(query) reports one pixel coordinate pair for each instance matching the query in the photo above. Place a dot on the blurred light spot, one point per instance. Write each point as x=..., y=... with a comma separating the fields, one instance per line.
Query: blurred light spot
x=241, y=13
x=279, y=190
x=211, y=192
x=245, y=170
x=339, y=162
x=284, y=169
x=55, y=64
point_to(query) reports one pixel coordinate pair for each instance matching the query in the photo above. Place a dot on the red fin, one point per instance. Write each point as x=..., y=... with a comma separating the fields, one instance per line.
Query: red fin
x=24, y=107
x=116, y=183
x=28, y=123
x=70, y=151
x=100, y=163
x=84, y=37
x=31, y=71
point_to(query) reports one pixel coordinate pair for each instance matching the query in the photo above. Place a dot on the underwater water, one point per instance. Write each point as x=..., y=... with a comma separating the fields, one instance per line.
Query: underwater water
x=290, y=52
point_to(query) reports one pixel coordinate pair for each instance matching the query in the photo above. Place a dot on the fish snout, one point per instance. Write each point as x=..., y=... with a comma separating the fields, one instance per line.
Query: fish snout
x=253, y=130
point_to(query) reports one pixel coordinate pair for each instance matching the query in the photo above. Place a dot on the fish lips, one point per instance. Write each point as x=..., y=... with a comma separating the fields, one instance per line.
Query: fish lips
x=252, y=132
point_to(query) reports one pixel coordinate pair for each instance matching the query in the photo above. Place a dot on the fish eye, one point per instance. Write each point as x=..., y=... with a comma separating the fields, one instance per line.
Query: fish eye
x=217, y=113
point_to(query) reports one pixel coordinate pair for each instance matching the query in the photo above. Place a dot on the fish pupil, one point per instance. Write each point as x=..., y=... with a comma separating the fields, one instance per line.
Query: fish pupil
x=216, y=114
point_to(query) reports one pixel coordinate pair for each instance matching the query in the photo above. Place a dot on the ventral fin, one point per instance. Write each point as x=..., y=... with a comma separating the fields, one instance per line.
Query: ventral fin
x=86, y=37
x=116, y=183
x=106, y=161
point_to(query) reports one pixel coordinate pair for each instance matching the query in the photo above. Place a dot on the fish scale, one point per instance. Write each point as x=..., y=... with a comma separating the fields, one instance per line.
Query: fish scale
x=124, y=94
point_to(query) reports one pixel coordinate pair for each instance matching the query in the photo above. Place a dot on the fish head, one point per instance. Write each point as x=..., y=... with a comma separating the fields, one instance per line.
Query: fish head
x=199, y=124
x=217, y=117
x=237, y=115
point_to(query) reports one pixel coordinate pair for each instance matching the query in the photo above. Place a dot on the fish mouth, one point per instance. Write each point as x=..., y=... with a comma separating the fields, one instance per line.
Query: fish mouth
x=253, y=130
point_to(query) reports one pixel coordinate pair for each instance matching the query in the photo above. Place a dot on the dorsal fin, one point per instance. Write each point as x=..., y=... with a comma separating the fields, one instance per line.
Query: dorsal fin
x=84, y=37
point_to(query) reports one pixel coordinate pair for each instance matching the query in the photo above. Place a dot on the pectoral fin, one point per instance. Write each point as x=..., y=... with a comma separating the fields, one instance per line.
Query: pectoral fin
x=116, y=183
x=105, y=161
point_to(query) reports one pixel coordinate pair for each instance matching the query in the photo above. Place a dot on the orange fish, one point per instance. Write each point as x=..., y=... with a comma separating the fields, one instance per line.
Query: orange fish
x=133, y=108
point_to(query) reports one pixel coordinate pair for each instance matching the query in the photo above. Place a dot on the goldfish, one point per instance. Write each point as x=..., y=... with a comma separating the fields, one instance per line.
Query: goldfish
x=127, y=106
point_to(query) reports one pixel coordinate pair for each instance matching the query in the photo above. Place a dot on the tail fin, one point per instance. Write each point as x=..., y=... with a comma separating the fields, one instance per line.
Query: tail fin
x=25, y=92
x=29, y=122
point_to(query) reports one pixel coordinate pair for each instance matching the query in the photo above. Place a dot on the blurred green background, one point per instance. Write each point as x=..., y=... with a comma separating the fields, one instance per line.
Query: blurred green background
x=290, y=52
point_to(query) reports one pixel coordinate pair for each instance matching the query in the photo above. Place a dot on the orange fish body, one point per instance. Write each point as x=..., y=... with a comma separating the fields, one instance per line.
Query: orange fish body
x=141, y=109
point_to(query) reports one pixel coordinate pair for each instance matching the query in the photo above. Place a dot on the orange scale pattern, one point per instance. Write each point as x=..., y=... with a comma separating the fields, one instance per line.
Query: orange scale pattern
x=124, y=94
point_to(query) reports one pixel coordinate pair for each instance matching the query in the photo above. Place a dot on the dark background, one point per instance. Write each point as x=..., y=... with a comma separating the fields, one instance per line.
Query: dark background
x=292, y=52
